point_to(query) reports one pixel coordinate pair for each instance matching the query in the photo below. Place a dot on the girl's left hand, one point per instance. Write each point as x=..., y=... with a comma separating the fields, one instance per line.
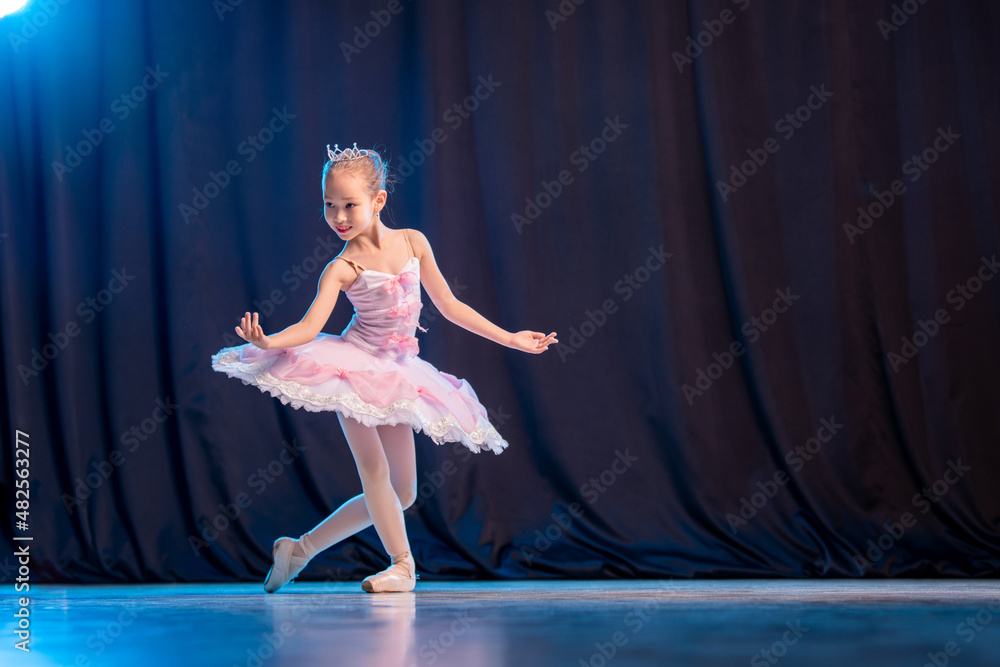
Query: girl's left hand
x=251, y=331
x=532, y=341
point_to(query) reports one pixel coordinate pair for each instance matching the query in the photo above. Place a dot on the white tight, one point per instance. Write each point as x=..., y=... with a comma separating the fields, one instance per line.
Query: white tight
x=387, y=464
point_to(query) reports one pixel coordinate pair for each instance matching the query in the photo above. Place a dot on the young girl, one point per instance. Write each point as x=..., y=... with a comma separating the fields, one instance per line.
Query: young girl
x=370, y=374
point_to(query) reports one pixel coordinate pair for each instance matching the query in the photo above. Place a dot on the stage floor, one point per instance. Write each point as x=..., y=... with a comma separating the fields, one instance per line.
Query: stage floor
x=485, y=624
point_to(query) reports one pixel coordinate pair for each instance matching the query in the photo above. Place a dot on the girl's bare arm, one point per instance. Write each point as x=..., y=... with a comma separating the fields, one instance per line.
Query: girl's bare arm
x=463, y=315
x=334, y=276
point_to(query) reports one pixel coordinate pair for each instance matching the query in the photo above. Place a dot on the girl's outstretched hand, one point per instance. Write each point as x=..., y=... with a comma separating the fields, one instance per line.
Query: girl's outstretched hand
x=532, y=341
x=251, y=332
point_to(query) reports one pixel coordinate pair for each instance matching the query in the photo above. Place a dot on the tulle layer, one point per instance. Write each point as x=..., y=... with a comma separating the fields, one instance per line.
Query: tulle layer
x=332, y=374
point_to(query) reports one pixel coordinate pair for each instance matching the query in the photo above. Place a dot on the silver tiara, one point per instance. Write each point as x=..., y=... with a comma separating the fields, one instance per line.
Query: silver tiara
x=337, y=155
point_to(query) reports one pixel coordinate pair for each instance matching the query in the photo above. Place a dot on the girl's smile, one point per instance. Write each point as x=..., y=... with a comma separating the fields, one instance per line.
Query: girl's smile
x=348, y=204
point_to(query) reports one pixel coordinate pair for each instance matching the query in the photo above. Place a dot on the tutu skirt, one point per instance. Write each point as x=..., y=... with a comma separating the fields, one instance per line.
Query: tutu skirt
x=330, y=373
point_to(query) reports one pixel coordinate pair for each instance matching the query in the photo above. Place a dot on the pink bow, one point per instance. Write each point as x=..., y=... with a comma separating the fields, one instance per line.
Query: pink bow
x=403, y=283
x=407, y=345
x=408, y=312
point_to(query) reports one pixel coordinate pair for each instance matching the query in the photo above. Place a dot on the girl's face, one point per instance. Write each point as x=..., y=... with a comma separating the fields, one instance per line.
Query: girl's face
x=349, y=209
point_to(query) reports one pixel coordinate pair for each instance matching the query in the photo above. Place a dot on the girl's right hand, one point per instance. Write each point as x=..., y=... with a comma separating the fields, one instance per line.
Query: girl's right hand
x=532, y=341
x=251, y=332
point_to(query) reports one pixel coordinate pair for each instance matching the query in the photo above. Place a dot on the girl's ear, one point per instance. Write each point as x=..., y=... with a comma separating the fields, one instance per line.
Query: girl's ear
x=380, y=198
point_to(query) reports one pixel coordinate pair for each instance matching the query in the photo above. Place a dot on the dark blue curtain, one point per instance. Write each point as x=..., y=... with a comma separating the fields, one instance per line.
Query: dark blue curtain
x=765, y=232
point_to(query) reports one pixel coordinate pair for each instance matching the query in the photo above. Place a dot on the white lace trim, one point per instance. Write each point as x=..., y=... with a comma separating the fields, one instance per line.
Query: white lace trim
x=402, y=411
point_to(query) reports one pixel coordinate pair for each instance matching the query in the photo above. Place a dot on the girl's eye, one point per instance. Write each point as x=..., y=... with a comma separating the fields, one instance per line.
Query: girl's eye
x=328, y=204
x=349, y=206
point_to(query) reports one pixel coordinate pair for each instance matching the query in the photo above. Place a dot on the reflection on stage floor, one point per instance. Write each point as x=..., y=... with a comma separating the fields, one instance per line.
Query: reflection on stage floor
x=493, y=623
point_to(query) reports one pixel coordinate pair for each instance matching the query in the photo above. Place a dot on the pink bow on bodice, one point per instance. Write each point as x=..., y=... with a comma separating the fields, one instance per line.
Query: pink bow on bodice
x=407, y=345
x=401, y=284
x=408, y=312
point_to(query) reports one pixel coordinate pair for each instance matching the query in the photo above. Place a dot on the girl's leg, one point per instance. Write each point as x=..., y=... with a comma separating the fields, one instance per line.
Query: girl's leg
x=353, y=516
x=397, y=442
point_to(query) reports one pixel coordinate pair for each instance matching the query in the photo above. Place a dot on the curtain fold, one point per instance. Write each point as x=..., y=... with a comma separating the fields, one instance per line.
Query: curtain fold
x=765, y=232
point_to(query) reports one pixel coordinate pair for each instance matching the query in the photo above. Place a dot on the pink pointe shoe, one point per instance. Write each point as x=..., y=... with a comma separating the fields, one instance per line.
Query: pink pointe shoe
x=400, y=577
x=286, y=565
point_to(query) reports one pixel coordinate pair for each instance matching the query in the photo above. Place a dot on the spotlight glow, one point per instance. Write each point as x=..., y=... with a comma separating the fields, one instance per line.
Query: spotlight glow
x=11, y=6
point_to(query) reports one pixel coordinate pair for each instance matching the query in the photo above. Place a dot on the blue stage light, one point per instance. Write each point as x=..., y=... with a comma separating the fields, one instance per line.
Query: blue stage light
x=11, y=6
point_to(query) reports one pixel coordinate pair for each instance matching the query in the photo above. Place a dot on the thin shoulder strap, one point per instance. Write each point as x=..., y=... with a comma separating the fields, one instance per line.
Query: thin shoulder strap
x=408, y=246
x=357, y=267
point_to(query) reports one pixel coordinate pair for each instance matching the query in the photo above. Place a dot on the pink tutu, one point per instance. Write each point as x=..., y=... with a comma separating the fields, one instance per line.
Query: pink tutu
x=371, y=372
